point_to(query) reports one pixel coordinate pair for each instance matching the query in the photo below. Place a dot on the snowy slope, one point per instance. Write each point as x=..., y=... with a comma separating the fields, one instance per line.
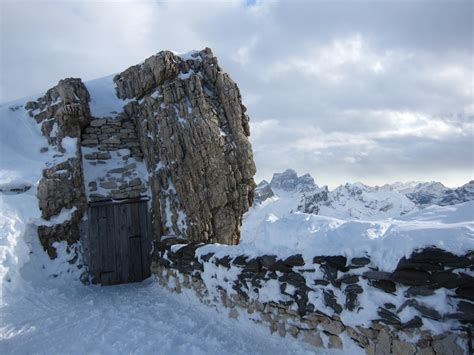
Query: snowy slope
x=271, y=228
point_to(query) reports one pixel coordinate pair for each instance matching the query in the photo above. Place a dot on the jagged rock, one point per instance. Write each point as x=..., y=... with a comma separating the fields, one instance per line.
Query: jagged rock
x=402, y=348
x=359, y=262
x=383, y=343
x=289, y=181
x=67, y=105
x=419, y=291
x=384, y=285
x=263, y=191
x=198, y=129
x=388, y=317
x=334, y=342
x=447, y=345
x=330, y=301
x=313, y=338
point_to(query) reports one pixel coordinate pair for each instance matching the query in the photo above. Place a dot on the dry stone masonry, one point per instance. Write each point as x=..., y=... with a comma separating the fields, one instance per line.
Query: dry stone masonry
x=113, y=160
x=319, y=300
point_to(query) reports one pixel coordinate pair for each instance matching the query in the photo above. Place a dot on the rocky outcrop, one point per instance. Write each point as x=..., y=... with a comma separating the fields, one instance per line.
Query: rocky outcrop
x=62, y=112
x=290, y=181
x=263, y=191
x=193, y=132
x=435, y=193
x=332, y=297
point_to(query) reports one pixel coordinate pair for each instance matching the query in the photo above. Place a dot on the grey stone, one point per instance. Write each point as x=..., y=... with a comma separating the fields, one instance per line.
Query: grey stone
x=447, y=345
x=334, y=342
x=89, y=142
x=313, y=338
x=233, y=313
x=135, y=182
x=293, y=331
x=402, y=348
x=103, y=155
x=117, y=170
x=383, y=343
x=108, y=185
x=98, y=122
x=333, y=327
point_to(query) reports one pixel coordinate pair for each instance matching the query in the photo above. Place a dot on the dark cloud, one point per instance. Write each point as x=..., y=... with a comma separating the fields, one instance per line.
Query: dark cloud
x=346, y=90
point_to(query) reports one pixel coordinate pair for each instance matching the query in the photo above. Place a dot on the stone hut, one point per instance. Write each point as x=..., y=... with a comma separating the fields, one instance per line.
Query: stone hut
x=159, y=151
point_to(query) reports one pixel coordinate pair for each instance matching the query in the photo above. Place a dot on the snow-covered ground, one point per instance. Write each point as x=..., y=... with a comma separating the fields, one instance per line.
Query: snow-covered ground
x=275, y=227
x=137, y=318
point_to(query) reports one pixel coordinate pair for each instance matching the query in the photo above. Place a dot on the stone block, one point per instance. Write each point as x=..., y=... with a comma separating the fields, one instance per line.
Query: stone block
x=313, y=338
x=402, y=348
x=108, y=185
x=104, y=156
x=334, y=342
x=112, y=140
x=98, y=122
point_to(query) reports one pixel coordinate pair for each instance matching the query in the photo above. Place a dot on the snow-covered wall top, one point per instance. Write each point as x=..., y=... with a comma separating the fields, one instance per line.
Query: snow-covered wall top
x=423, y=305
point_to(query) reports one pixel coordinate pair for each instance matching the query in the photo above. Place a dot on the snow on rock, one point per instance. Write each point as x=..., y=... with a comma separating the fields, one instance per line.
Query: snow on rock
x=103, y=98
x=386, y=241
x=290, y=181
x=357, y=201
x=435, y=193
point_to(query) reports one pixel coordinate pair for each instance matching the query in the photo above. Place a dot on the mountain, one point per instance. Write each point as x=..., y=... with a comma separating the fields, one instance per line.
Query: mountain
x=290, y=181
x=262, y=192
x=435, y=193
x=357, y=201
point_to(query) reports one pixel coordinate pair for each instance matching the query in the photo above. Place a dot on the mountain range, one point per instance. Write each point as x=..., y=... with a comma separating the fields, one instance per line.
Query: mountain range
x=357, y=200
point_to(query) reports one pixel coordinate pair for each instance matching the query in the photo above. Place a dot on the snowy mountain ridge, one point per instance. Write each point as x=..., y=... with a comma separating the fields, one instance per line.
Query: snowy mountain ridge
x=360, y=201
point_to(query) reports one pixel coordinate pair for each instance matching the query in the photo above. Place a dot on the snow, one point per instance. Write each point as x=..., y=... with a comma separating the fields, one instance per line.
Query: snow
x=193, y=55
x=20, y=143
x=104, y=101
x=274, y=227
x=139, y=318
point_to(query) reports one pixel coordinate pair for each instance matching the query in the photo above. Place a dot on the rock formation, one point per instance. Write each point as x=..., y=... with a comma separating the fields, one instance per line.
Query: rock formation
x=290, y=181
x=263, y=191
x=193, y=130
x=62, y=112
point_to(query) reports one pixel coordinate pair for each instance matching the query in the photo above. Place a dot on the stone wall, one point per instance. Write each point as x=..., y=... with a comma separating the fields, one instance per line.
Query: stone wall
x=324, y=301
x=112, y=160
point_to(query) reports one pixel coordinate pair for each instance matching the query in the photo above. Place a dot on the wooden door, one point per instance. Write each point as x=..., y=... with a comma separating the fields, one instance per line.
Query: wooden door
x=120, y=242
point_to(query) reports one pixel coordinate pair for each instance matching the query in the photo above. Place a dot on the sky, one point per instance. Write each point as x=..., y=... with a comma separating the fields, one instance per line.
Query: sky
x=348, y=91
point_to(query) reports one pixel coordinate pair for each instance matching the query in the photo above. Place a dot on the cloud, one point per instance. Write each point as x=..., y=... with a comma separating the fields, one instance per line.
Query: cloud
x=370, y=91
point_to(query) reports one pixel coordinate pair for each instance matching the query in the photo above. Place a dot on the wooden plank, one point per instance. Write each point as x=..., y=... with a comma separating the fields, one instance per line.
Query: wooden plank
x=123, y=244
x=103, y=250
x=93, y=243
x=135, y=259
x=135, y=244
x=111, y=249
x=145, y=229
